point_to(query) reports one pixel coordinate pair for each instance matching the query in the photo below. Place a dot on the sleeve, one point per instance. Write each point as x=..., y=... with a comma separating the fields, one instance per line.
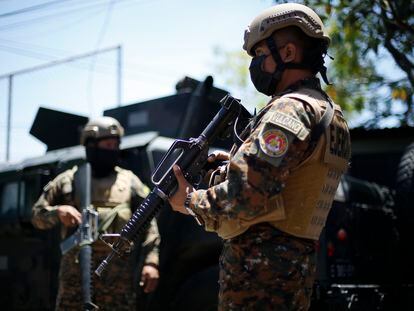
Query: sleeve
x=44, y=211
x=152, y=238
x=259, y=169
x=139, y=188
x=152, y=244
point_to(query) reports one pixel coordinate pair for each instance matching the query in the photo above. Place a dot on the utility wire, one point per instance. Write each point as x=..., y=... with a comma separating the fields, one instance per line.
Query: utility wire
x=32, y=8
x=101, y=35
x=45, y=17
x=65, y=26
x=132, y=71
x=91, y=14
x=102, y=69
x=53, y=53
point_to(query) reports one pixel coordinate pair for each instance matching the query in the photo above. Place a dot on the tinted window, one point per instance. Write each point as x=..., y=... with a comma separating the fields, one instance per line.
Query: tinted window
x=9, y=201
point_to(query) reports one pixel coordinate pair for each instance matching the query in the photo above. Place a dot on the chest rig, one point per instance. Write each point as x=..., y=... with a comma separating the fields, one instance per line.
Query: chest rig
x=111, y=198
x=302, y=207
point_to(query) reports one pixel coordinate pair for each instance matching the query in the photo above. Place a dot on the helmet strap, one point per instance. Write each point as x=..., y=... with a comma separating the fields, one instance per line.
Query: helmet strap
x=282, y=66
x=322, y=71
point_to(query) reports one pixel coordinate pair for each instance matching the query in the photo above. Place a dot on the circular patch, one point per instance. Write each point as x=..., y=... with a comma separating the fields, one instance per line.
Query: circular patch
x=274, y=143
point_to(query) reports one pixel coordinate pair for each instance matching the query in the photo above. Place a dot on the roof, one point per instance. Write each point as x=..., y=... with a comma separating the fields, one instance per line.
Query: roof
x=75, y=153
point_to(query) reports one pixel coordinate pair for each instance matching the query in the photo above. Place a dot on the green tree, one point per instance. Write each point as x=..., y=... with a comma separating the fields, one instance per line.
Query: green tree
x=233, y=68
x=373, y=66
x=372, y=43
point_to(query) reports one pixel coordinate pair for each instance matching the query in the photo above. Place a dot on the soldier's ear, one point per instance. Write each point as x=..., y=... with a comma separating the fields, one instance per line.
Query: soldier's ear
x=289, y=53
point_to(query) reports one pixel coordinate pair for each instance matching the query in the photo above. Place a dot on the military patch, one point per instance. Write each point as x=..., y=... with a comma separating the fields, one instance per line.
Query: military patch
x=288, y=123
x=273, y=142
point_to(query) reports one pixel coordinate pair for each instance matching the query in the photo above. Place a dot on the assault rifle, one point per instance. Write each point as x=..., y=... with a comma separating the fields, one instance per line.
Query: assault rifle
x=85, y=235
x=191, y=156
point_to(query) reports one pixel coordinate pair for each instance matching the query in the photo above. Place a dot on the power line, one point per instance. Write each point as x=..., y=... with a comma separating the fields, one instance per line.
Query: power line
x=48, y=53
x=65, y=26
x=56, y=62
x=11, y=75
x=45, y=17
x=132, y=71
x=80, y=7
x=32, y=8
x=93, y=60
x=45, y=57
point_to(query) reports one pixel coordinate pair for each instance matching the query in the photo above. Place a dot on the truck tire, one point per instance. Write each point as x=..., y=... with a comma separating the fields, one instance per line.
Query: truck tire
x=404, y=185
x=404, y=208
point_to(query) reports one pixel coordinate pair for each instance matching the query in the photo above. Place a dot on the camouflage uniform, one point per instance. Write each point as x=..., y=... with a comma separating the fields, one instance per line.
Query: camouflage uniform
x=263, y=267
x=116, y=290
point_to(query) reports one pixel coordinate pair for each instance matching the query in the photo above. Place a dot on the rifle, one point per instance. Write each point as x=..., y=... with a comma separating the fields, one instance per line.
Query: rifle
x=85, y=235
x=191, y=157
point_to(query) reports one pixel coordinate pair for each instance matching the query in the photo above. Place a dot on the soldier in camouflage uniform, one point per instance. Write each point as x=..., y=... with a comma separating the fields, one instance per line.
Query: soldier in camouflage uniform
x=282, y=176
x=114, y=194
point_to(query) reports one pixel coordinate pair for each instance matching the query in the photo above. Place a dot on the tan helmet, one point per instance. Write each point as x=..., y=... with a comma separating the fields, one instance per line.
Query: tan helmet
x=282, y=16
x=102, y=127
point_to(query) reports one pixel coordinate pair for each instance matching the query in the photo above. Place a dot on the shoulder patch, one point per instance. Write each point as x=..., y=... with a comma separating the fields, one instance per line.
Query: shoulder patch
x=288, y=123
x=273, y=142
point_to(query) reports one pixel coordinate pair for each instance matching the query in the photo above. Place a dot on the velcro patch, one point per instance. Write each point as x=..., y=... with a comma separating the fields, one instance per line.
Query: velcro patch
x=288, y=123
x=273, y=142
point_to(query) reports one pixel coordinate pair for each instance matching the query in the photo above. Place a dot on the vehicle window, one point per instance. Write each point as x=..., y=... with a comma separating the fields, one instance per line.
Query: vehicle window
x=9, y=200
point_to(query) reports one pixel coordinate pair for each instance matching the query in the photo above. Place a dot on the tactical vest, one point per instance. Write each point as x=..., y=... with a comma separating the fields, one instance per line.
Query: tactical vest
x=302, y=207
x=109, y=193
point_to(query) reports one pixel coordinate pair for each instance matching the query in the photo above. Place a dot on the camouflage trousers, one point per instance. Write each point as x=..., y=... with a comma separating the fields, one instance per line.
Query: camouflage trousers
x=115, y=290
x=265, y=269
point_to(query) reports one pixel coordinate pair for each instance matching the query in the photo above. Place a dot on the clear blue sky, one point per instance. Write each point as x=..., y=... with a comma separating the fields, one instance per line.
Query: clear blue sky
x=162, y=41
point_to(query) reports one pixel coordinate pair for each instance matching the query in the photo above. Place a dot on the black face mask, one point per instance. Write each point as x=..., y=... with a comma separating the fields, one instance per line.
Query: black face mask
x=102, y=161
x=263, y=81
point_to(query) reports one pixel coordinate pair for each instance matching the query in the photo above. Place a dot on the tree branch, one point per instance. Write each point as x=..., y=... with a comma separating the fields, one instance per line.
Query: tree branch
x=402, y=61
x=397, y=21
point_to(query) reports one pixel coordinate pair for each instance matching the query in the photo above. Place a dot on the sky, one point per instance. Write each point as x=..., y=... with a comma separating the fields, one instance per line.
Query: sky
x=161, y=42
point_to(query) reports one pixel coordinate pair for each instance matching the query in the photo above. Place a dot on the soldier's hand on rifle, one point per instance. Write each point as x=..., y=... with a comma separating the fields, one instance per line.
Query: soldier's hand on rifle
x=69, y=216
x=218, y=156
x=217, y=167
x=184, y=187
x=149, y=278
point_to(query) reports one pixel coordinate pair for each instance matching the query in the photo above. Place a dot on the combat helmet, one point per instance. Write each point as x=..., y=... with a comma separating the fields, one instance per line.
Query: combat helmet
x=282, y=16
x=102, y=127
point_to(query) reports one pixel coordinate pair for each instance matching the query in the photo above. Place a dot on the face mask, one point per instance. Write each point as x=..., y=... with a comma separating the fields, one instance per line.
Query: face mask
x=263, y=81
x=102, y=161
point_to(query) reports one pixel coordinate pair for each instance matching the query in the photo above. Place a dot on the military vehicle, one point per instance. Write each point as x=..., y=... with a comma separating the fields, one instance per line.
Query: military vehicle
x=363, y=261
x=29, y=258
x=364, y=254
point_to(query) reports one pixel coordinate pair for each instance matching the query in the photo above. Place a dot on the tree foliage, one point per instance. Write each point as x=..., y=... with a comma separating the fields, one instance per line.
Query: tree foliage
x=233, y=67
x=373, y=66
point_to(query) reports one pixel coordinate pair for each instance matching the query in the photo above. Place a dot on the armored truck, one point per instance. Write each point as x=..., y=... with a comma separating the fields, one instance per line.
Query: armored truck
x=363, y=255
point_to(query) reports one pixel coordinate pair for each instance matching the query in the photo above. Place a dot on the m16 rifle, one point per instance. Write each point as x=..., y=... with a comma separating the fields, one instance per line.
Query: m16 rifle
x=191, y=156
x=85, y=235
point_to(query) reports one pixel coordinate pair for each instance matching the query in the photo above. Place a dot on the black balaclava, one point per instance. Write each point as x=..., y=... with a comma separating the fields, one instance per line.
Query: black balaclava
x=103, y=161
x=266, y=83
x=263, y=81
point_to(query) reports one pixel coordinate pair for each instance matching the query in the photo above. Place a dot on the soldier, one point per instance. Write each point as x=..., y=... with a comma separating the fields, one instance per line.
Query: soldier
x=282, y=175
x=115, y=192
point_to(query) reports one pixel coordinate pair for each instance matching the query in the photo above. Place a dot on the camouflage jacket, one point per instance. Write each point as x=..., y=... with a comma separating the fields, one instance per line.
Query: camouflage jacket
x=254, y=177
x=121, y=187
